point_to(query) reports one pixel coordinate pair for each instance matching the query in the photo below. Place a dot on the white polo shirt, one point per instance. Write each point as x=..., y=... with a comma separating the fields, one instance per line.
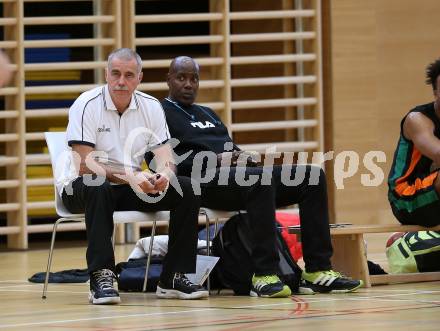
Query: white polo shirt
x=122, y=138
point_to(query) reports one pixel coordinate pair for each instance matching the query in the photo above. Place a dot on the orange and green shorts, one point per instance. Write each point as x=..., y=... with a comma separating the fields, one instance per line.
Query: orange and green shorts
x=417, y=202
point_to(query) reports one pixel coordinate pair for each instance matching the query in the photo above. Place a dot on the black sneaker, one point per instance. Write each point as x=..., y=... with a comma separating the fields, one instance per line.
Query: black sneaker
x=327, y=282
x=179, y=287
x=102, y=291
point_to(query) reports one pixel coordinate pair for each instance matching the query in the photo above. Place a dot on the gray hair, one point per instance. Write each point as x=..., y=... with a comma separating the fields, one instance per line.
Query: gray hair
x=126, y=54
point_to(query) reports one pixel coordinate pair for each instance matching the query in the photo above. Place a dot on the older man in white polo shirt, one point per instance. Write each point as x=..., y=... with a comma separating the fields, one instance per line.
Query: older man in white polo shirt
x=109, y=129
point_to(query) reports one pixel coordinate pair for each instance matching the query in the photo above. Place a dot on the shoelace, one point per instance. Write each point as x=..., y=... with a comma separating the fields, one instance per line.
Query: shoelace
x=183, y=278
x=272, y=279
x=333, y=273
x=104, y=278
x=336, y=274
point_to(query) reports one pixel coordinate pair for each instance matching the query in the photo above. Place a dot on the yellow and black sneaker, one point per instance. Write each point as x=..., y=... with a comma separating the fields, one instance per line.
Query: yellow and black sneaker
x=328, y=281
x=269, y=287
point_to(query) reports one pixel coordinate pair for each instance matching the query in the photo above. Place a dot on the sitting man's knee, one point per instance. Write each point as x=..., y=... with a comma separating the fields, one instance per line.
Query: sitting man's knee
x=316, y=175
x=96, y=183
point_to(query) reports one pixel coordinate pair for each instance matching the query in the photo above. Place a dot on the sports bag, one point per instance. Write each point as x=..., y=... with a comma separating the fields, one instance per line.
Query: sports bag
x=235, y=268
x=131, y=274
x=284, y=220
x=414, y=252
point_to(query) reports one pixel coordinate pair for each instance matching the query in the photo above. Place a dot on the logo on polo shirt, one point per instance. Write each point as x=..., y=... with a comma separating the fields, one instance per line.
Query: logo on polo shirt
x=200, y=125
x=103, y=129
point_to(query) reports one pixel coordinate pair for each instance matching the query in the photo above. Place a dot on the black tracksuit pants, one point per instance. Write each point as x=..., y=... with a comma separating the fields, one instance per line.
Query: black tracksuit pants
x=260, y=202
x=99, y=202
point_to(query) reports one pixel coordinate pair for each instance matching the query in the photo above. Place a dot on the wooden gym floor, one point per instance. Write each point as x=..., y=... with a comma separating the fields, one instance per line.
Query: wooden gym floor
x=391, y=307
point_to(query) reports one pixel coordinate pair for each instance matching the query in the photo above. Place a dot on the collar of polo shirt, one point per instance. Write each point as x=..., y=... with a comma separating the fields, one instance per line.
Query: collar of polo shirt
x=108, y=102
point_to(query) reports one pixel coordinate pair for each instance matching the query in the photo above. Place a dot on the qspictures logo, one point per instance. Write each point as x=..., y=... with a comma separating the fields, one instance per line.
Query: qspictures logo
x=292, y=173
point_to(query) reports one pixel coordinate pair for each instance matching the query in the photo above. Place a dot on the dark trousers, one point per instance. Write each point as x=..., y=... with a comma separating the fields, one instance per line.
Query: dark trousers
x=99, y=202
x=260, y=202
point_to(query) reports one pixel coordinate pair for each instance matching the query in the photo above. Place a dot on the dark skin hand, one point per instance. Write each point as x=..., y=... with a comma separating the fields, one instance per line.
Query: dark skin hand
x=238, y=158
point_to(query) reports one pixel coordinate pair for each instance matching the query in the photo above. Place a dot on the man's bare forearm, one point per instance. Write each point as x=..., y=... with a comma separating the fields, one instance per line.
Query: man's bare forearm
x=110, y=171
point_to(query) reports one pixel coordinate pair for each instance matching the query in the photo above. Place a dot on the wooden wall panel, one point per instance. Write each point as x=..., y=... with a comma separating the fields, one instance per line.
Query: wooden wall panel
x=244, y=47
x=379, y=52
x=56, y=52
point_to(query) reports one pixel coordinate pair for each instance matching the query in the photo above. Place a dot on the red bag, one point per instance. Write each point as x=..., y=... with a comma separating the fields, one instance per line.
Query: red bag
x=291, y=240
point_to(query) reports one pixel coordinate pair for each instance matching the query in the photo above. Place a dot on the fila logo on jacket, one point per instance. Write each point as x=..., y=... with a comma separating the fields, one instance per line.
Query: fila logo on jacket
x=200, y=125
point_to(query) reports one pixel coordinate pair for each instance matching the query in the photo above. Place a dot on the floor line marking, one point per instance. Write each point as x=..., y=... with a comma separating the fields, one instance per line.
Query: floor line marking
x=105, y=318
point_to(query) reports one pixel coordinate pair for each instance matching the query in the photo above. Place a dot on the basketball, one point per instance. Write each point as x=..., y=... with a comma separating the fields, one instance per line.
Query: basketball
x=394, y=237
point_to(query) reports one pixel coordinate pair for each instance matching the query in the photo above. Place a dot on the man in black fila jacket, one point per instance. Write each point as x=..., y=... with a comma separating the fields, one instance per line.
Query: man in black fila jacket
x=201, y=133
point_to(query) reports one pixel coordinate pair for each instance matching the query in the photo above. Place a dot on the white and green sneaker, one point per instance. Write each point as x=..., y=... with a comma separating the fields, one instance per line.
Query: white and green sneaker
x=328, y=281
x=269, y=286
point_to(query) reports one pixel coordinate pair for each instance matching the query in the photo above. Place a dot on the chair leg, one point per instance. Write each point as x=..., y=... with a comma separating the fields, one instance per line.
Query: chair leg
x=208, y=237
x=114, y=236
x=150, y=251
x=49, y=260
x=208, y=249
x=215, y=227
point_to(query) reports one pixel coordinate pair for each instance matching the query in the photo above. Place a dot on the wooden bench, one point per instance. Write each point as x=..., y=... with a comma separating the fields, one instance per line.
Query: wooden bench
x=350, y=258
